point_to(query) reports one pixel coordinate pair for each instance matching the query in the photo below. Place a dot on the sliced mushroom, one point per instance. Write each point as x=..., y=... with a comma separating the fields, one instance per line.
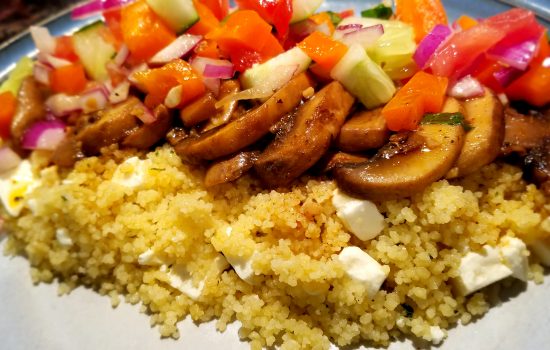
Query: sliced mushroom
x=524, y=132
x=176, y=135
x=333, y=160
x=229, y=111
x=405, y=174
x=482, y=143
x=114, y=124
x=363, y=131
x=231, y=169
x=248, y=128
x=198, y=111
x=68, y=152
x=148, y=135
x=30, y=109
x=537, y=165
x=317, y=124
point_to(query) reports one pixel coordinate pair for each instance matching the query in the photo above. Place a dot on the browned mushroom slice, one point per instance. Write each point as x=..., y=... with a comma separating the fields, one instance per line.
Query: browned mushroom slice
x=524, y=132
x=231, y=169
x=537, y=165
x=68, y=152
x=198, y=111
x=114, y=124
x=333, y=160
x=405, y=174
x=176, y=135
x=149, y=134
x=317, y=124
x=363, y=131
x=230, y=110
x=248, y=128
x=482, y=143
x=30, y=109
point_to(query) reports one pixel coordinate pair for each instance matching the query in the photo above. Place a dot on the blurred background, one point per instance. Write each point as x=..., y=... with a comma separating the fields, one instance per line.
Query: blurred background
x=17, y=15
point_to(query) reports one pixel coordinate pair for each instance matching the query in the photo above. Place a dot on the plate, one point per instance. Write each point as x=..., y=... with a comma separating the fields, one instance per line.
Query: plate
x=34, y=317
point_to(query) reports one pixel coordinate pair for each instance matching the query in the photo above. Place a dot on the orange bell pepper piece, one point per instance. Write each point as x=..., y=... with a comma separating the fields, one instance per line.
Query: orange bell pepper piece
x=144, y=32
x=207, y=20
x=534, y=85
x=323, y=18
x=8, y=104
x=219, y=8
x=208, y=48
x=424, y=93
x=159, y=81
x=324, y=50
x=423, y=15
x=466, y=22
x=68, y=79
x=112, y=19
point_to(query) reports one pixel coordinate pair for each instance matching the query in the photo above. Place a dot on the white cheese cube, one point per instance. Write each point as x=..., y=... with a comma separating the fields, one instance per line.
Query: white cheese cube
x=243, y=267
x=361, y=267
x=62, y=236
x=437, y=334
x=541, y=249
x=131, y=172
x=180, y=278
x=360, y=217
x=15, y=185
x=514, y=252
x=149, y=258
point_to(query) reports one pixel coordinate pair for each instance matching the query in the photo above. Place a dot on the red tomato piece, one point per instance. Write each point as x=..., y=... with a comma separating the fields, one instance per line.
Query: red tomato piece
x=8, y=104
x=219, y=8
x=64, y=48
x=276, y=12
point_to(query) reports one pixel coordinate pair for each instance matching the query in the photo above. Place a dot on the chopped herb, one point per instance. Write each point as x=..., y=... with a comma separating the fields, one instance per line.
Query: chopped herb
x=381, y=11
x=64, y=198
x=334, y=17
x=409, y=311
x=446, y=118
x=158, y=169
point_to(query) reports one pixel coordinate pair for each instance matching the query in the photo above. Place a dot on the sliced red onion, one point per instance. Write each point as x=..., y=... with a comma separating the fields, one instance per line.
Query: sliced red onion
x=173, y=98
x=43, y=40
x=8, y=159
x=92, y=7
x=62, y=105
x=41, y=73
x=467, y=87
x=430, y=43
x=199, y=65
x=349, y=27
x=518, y=55
x=178, y=48
x=220, y=69
x=94, y=100
x=122, y=55
x=506, y=75
x=44, y=135
x=365, y=37
x=144, y=114
x=120, y=92
x=52, y=61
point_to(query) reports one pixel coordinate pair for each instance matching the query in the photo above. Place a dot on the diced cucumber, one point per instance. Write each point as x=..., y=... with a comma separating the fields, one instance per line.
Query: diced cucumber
x=22, y=69
x=363, y=78
x=93, y=50
x=394, y=49
x=178, y=14
x=266, y=74
x=302, y=9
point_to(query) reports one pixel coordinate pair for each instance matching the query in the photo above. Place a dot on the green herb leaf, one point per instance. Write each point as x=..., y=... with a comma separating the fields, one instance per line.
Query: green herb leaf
x=334, y=18
x=446, y=118
x=409, y=311
x=381, y=11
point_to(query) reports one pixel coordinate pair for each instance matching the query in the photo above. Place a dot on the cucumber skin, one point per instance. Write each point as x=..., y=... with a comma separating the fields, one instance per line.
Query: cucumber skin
x=94, y=52
x=159, y=8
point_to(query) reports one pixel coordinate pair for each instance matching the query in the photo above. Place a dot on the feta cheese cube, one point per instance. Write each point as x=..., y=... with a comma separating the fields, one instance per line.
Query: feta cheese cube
x=361, y=267
x=180, y=279
x=243, y=267
x=62, y=236
x=360, y=217
x=131, y=172
x=15, y=185
x=514, y=252
x=149, y=258
x=437, y=334
x=541, y=249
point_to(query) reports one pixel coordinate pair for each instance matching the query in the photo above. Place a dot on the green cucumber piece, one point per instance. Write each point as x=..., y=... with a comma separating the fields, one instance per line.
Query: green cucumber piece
x=365, y=79
x=92, y=49
x=180, y=15
x=394, y=50
x=261, y=74
x=22, y=69
x=302, y=9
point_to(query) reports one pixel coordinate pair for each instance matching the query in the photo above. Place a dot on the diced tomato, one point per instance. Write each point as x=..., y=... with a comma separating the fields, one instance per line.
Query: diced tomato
x=534, y=85
x=68, y=79
x=276, y=12
x=347, y=13
x=64, y=48
x=219, y=8
x=423, y=15
x=423, y=93
x=207, y=22
x=466, y=22
x=144, y=32
x=323, y=19
x=320, y=72
x=246, y=38
x=112, y=19
x=159, y=81
x=484, y=70
x=324, y=50
x=8, y=104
